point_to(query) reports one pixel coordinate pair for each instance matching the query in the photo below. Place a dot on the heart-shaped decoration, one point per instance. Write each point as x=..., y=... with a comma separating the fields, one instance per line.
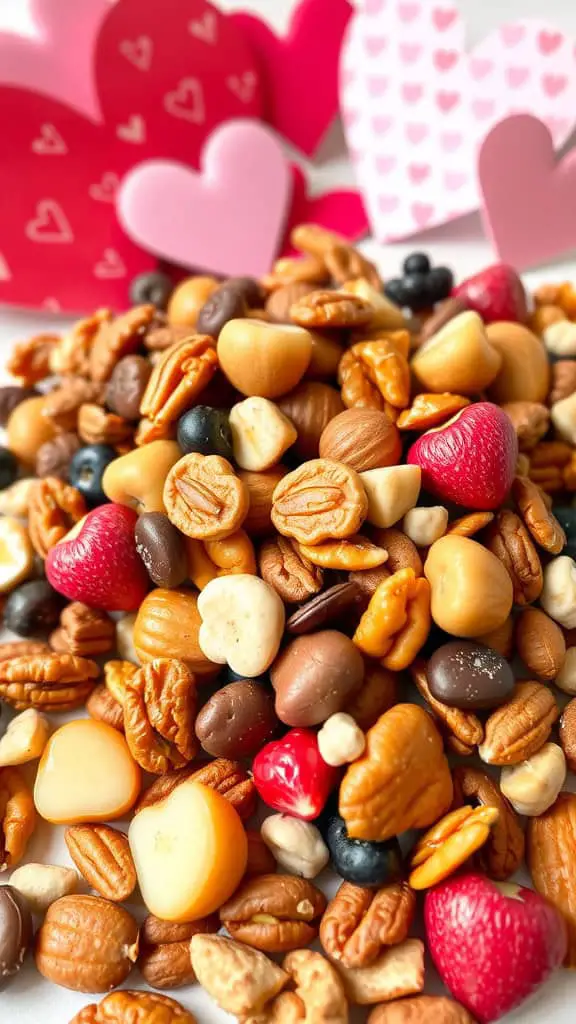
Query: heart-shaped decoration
x=228, y=218
x=417, y=106
x=529, y=208
x=341, y=210
x=300, y=69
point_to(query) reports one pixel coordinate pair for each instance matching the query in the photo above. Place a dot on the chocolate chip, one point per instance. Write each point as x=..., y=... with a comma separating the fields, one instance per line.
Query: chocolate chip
x=248, y=287
x=127, y=385
x=10, y=397
x=223, y=305
x=237, y=720
x=16, y=932
x=161, y=548
x=54, y=457
x=324, y=608
x=33, y=609
x=468, y=675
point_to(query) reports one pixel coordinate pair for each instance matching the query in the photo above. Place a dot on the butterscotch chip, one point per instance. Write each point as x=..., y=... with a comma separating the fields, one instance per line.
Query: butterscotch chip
x=430, y=411
x=321, y=500
x=331, y=309
x=204, y=498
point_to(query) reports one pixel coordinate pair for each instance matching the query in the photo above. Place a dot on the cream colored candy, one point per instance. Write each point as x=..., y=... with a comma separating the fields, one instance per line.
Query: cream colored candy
x=242, y=623
x=458, y=358
x=566, y=678
x=264, y=359
x=471, y=590
x=558, y=597
x=392, y=491
x=425, y=525
x=533, y=785
x=86, y=774
x=560, y=338
x=261, y=433
x=43, y=884
x=24, y=739
x=16, y=553
x=190, y=851
x=563, y=416
x=341, y=740
x=296, y=845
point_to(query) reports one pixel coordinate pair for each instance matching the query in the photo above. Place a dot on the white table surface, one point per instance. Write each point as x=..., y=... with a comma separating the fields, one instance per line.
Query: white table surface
x=30, y=999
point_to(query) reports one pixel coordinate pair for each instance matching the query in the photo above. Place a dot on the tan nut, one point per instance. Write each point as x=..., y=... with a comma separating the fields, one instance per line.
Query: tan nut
x=261, y=433
x=295, y=844
x=392, y=491
x=264, y=359
x=540, y=643
x=558, y=597
x=421, y=1010
x=524, y=374
x=16, y=554
x=530, y=421
x=458, y=358
x=533, y=786
x=426, y=524
x=341, y=740
x=125, y=638
x=137, y=479
x=471, y=590
x=239, y=979
x=15, y=500
x=43, y=884
x=25, y=738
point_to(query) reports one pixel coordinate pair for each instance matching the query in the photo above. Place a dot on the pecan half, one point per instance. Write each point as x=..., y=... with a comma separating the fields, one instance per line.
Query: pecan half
x=543, y=526
x=29, y=360
x=17, y=817
x=288, y=571
x=159, y=713
x=358, y=923
x=550, y=854
x=179, y=377
x=530, y=421
x=503, y=852
x=227, y=777
x=509, y=540
x=519, y=728
x=401, y=781
x=103, y=707
x=274, y=913
x=128, y=1007
x=164, y=960
x=97, y=426
x=446, y=846
x=397, y=621
x=344, y=263
x=55, y=507
x=84, y=631
x=72, y=353
x=375, y=375
x=321, y=242
x=204, y=498
x=463, y=725
x=548, y=461
x=61, y=405
x=102, y=855
x=331, y=309
x=56, y=682
x=118, y=338
x=430, y=411
x=321, y=500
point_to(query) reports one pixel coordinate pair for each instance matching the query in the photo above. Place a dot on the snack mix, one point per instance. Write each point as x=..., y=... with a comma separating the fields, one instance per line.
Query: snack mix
x=276, y=544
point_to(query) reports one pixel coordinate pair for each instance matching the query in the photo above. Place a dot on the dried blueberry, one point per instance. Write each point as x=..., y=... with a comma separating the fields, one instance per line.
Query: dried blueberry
x=87, y=469
x=366, y=864
x=205, y=430
x=153, y=286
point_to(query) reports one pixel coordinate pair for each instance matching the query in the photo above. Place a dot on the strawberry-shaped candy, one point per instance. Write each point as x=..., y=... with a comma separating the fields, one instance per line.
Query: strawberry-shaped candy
x=493, y=943
x=292, y=777
x=496, y=293
x=97, y=561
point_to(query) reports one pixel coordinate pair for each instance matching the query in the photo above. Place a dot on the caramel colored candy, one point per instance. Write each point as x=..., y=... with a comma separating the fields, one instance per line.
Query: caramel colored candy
x=188, y=298
x=137, y=479
x=86, y=774
x=524, y=374
x=28, y=429
x=264, y=359
x=471, y=590
x=190, y=852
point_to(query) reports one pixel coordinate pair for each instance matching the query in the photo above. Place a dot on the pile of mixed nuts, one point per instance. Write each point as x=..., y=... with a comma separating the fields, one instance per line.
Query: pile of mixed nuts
x=329, y=525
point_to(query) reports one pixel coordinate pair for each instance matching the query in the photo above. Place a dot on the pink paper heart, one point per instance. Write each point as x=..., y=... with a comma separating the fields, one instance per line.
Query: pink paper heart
x=244, y=186
x=529, y=208
x=525, y=66
x=300, y=69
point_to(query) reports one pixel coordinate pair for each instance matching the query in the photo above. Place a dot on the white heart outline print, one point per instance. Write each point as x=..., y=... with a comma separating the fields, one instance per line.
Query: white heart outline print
x=49, y=142
x=176, y=102
x=38, y=230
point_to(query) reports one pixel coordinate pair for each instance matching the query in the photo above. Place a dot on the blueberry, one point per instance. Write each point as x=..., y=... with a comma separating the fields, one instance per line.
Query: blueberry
x=394, y=290
x=87, y=469
x=205, y=430
x=153, y=286
x=440, y=283
x=416, y=263
x=366, y=864
x=33, y=609
x=8, y=467
x=416, y=294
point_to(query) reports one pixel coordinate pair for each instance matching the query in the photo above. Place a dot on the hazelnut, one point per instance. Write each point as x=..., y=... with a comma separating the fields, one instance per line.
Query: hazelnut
x=426, y=524
x=311, y=407
x=263, y=359
x=533, y=785
x=392, y=491
x=524, y=374
x=261, y=433
x=558, y=596
x=471, y=590
x=362, y=438
x=458, y=358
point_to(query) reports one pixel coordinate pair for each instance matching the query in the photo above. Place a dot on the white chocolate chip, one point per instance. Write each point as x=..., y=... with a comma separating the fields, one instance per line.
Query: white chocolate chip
x=560, y=338
x=425, y=525
x=558, y=597
x=242, y=623
x=563, y=416
x=296, y=845
x=43, y=884
x=532, y=786
x=261, y=433
x=341, y=740
x=392, y=491
x=24, y=739
x=125, y=638
x=566, y=678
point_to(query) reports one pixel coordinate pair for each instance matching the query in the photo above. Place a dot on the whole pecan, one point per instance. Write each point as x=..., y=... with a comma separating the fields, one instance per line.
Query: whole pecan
x=550, y=854
x=62, y=405
x=519, y=728
x=274, y=913
x=128, y=1007
x=227, y=777
x=102, y=855
x=503, y=852
x=58, y=682
x=509, y=540
x=72, y=353
x=103, y=707
x=164, y=959
x=324, y=309
x=117, y=338
x=358, y=923
x=320, y=500
x=530, y=421
x=97, y=426
x=179, y=377
x=449, y=844
x=17, y=817
x=159, y=713
x=84, y=631
x=55, y=507
x=541, y=523
x=30, y=360
x=204, y=498
x=288, y=571
x=375, y=375
x=464, y=726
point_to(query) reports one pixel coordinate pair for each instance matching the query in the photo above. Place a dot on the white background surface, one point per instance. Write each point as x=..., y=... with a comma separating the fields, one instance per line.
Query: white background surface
x=31, y=1000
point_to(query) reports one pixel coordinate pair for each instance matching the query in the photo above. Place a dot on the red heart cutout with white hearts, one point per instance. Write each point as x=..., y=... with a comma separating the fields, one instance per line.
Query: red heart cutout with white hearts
x=340, y=210
x=417, y=107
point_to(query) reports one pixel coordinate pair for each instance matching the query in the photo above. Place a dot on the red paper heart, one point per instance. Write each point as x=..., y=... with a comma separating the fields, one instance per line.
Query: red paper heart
x=341, y=210
x=300, y=70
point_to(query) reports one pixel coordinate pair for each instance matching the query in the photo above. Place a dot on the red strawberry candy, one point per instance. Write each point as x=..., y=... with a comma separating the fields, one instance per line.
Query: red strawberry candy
x=496, y=293
x=291, y=776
